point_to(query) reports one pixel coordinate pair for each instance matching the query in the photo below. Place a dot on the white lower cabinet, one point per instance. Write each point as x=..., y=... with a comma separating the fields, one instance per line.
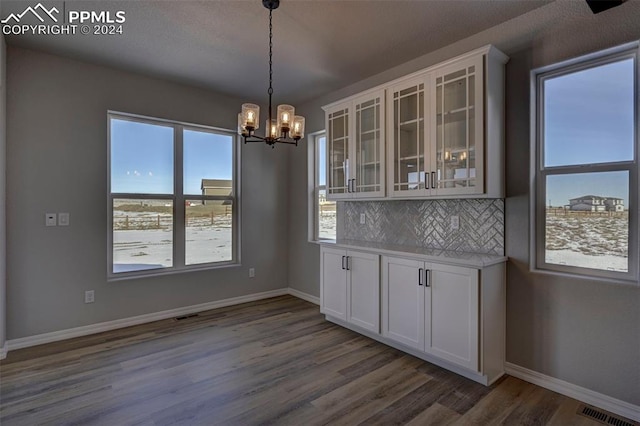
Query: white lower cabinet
x=451, y=315
x=432, y=308
x=350, y=288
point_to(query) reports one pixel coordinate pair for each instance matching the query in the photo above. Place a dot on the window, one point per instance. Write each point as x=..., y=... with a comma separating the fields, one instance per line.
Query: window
x=322, y=224
x=172, y=196
x=585, y=157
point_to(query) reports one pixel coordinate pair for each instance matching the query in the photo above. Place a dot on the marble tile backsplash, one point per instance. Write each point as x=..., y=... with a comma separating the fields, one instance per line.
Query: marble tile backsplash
x=426, y=223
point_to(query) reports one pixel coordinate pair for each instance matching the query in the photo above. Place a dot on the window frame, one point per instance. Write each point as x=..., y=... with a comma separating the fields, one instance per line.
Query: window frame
x=314, y=188
x=540, y=172
x=178, y=199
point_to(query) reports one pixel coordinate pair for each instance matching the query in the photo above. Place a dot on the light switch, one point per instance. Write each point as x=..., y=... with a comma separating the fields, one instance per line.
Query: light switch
x=63, y=219
x=50, y=219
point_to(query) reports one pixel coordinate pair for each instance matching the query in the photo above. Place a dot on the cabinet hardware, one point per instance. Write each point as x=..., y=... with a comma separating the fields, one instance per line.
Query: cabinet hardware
x=347, y=263
x=420, y=276
x=343, y=262
x=433, y=180
x=353, y=185
x=426, y=180
x=427, y=278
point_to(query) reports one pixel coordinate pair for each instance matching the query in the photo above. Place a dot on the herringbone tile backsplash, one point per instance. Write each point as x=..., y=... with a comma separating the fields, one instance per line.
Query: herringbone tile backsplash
x=426, y=223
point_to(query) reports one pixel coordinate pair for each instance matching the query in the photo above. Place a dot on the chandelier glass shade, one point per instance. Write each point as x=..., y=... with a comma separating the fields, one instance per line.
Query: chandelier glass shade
x=285, y=127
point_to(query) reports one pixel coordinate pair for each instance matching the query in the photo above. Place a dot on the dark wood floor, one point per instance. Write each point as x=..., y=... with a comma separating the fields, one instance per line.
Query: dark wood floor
x=275, y=361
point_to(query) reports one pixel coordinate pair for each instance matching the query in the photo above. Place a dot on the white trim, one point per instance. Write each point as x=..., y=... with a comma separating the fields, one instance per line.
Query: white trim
x=585, y=395
x=70, y=333
x=3, y=351
x=304, y=296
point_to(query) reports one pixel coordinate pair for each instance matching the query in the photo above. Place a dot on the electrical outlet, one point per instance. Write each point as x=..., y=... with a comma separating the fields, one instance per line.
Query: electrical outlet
x=63, y=219
x=89, y=296
x=50, y=219
x=455, y=222
x=252, y=272
x=362, y=218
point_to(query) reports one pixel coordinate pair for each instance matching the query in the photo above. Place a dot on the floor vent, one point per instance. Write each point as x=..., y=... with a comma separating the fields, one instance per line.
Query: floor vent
x=184, y=317
x=603, y=417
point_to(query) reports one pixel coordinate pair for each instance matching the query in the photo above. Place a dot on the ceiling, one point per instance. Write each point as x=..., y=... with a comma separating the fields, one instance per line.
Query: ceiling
x=222, y=45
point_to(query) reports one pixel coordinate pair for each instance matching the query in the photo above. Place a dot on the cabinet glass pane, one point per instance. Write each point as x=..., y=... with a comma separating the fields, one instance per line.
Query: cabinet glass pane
x=337, y=140
x=455, y=121
x=408, y=139
x=368, y=146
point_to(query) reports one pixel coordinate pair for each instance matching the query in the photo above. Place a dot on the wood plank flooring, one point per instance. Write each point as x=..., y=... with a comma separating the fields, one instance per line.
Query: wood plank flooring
x=275, y=361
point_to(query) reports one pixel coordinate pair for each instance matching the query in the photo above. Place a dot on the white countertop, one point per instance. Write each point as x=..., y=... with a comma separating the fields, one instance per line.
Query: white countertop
x=476, y=260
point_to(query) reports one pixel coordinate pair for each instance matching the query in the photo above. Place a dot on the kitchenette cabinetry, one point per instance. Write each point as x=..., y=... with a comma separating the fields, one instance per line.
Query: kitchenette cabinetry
x=446, y=310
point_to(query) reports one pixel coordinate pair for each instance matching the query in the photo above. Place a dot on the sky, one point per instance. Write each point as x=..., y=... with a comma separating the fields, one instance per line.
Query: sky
x=589, y=118
x=322, y=161
x=142, y=158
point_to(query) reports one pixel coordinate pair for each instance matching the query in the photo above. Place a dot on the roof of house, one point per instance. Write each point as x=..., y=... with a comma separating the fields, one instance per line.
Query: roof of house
x=595, y=197
x=216, y=183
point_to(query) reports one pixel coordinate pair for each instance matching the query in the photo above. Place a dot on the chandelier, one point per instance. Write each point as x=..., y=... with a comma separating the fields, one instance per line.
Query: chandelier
x=286, y=127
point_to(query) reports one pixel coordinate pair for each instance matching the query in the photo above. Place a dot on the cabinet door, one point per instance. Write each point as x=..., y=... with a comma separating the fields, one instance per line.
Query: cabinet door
x=458, y=127
x=407, y=157
x=363, y=290
x=333, y=283
x=368, y=134
x=403, y=301
x=451, y=314
x=338, y=179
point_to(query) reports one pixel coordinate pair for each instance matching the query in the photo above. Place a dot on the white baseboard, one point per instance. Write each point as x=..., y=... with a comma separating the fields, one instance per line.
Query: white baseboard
x=55, y=336
x=585, y=395
x=3, y=351
x=304, y=296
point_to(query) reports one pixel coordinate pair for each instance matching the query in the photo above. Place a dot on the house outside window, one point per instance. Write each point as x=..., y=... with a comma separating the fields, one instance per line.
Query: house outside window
x=172, y=201
x=585, y=166
x=322, y=218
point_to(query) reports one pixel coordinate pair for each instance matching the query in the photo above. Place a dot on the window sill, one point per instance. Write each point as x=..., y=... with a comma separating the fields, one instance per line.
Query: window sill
x=173, y=271
x=605, y=280
x=324, y=241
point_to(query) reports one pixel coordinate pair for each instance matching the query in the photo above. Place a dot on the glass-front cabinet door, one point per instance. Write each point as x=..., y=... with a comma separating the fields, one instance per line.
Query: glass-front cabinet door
x=338, y=179
x=407, y=148
x=457, y=128
x=368, y=165
x=355, y=147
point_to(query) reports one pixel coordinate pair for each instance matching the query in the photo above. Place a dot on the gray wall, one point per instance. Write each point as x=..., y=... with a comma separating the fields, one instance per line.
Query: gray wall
x=3, y=174
x=586, y=332
x=57, y=162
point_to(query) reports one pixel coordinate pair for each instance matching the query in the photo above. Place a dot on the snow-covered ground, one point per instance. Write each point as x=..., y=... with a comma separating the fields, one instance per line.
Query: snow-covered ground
x=599, y=242
x=139, y=249
x=327, y=228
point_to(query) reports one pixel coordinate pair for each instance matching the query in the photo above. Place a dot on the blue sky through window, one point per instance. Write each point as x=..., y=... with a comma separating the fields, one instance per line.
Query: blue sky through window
x=206, y=156
x=589, y=118
x=142, y=158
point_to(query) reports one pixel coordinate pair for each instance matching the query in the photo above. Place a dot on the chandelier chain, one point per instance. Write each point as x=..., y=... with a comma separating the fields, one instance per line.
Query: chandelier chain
x=270, y=91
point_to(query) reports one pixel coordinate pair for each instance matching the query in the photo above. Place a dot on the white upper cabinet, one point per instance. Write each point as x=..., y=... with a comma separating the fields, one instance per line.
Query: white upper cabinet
x=457, y=137
x=407, y=148
x=444, y=134
x=355, y=145
x=338, y=147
